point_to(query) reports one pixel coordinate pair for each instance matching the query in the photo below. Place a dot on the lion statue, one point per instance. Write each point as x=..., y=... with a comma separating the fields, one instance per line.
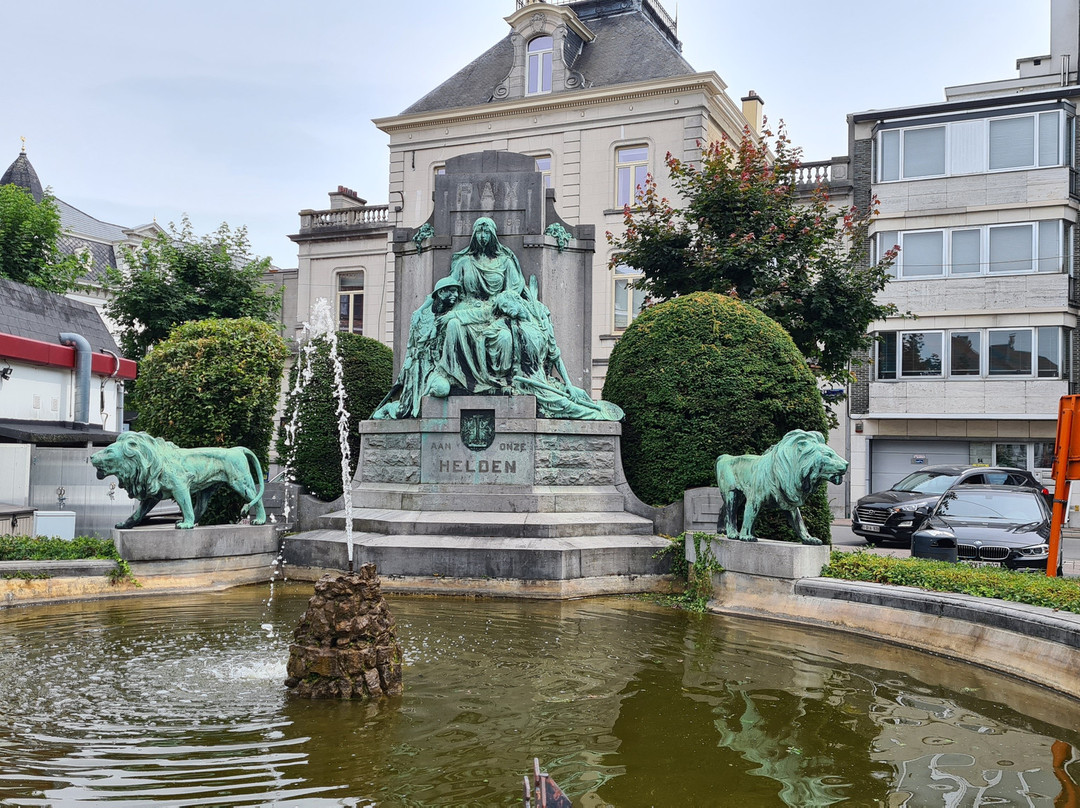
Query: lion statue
x=785, y=476
x=152, y=469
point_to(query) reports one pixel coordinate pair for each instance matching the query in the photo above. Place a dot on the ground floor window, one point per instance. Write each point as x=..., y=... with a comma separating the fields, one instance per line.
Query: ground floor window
x=1030, y=455
x=629, y=300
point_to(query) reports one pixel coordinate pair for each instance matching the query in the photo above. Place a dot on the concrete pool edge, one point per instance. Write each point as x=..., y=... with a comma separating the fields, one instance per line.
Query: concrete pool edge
x=1033, y=643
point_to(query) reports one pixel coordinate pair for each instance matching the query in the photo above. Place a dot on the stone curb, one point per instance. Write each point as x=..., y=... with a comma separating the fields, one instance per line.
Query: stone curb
x=88, y=568
x=1031, y=621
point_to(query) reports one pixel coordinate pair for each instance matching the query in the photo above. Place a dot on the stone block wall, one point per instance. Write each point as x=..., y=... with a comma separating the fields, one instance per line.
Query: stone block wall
x=575, y=460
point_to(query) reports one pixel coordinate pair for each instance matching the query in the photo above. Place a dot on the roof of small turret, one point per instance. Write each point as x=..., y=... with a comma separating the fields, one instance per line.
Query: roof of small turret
x=21, y=173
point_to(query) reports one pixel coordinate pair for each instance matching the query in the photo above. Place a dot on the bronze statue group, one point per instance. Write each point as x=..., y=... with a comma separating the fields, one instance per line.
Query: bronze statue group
x=484, y=331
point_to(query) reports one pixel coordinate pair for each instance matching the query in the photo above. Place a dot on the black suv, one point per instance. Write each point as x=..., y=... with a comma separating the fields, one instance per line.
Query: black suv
x=895, y=514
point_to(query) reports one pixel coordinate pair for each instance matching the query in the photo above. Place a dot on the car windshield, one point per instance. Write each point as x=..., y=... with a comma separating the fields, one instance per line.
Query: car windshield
x=998, y=506
x=926, y=482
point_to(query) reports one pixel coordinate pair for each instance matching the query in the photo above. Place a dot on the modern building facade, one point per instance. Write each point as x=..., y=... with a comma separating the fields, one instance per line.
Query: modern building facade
x=980, y=192
x=596, y=91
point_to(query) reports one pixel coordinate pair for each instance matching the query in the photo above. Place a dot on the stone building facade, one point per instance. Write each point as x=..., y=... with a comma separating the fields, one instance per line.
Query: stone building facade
x=596, y=91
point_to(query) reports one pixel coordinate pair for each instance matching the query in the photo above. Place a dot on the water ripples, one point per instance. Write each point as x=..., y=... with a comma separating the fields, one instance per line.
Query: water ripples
x=181, y=701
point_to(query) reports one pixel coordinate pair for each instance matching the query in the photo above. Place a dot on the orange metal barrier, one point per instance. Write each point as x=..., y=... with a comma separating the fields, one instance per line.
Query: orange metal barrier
x=1066, y=467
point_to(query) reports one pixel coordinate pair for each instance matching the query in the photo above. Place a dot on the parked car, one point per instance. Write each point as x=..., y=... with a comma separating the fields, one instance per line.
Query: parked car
x=992, y=524
x=893, y=515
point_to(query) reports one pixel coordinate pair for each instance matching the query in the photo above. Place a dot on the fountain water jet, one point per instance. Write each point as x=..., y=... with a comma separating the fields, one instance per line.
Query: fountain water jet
x=322, y=326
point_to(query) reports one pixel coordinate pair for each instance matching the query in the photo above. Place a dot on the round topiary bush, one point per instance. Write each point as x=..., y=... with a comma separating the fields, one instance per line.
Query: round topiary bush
x=214, y=383
x=705, y=375
x=315, y=457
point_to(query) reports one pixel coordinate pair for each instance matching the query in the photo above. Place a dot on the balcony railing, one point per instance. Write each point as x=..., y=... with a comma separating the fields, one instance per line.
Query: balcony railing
x=370, y=215
x=814, y=174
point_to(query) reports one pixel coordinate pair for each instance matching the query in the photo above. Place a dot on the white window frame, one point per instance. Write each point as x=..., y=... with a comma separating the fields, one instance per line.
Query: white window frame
x=1060, y=261
x=1065, y=129
x=629, y=194
x=546, y=174
x=539, y=65
x=1061, y=359
x=352, y=298
x=635, y=297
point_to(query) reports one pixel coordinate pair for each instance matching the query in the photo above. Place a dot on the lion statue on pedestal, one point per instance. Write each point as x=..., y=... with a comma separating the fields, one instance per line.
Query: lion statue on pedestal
x=152, y=469
x=785, y=476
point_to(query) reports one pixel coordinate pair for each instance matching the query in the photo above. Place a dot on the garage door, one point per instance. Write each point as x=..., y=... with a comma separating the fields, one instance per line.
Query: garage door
x=892, y=460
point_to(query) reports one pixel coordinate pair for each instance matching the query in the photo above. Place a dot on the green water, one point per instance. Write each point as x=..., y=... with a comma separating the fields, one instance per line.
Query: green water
x=180, y=701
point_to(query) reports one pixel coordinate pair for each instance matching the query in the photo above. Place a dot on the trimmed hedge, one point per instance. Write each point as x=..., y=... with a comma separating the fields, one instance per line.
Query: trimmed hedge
x=41, y=548
x=214, y=383
x=704, y=375
x=368, y=371
x=1033, y=589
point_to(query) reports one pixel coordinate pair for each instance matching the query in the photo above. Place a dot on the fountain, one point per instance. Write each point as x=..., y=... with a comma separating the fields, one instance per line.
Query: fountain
x=180, y=701
x=322, y=326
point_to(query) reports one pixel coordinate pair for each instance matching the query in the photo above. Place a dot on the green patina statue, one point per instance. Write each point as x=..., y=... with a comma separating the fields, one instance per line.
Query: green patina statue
x=152, y=469
x=785, y=476
x=484, y=331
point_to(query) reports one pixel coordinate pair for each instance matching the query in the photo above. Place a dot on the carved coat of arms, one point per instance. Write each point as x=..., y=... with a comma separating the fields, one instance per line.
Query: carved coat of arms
x=477, y=428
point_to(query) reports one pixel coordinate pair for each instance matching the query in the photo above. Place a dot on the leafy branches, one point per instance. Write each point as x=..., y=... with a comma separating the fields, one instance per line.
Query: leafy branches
x=745, y=231
x=177, y=277
x=29, y=243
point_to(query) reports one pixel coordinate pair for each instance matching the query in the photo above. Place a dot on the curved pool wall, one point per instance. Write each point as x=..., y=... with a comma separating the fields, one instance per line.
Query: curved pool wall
x=180, y=701
x=772, y=580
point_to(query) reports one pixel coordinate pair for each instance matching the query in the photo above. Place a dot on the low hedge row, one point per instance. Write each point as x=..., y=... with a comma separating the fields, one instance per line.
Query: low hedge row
x=942, y=576
x=40, y=548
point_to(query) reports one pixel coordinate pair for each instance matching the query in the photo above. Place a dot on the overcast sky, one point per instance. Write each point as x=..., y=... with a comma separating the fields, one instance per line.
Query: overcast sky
x=247, y=112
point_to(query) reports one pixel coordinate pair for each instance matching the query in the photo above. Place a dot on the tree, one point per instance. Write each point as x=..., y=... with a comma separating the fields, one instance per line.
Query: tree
x=314, y=456
x=214, y=383
x=703, y=375
x=746, y=232
x=177, y=277
x=29, y=239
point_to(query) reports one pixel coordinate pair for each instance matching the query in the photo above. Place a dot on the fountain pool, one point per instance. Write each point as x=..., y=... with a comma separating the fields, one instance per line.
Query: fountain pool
x=181, y=701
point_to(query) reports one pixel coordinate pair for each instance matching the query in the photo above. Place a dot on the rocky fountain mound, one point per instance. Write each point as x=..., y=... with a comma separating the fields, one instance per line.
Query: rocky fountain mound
x=345, y=646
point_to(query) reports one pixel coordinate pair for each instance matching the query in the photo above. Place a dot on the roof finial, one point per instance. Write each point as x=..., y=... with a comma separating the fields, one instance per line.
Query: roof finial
x=23, y=139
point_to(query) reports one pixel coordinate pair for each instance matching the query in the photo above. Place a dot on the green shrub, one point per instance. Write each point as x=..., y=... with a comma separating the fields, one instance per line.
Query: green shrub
x=214, y=383
x=704, y=375
x=368, y=372
x=943, y=576
x=43, y=548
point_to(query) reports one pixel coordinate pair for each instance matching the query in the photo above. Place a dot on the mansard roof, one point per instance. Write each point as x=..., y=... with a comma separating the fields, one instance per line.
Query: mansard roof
x=629, y=47
x=21, y=173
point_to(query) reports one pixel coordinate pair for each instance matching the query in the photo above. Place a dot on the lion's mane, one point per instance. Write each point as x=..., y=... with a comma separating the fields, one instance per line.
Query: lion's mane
x=142, y=460
x=794, y=465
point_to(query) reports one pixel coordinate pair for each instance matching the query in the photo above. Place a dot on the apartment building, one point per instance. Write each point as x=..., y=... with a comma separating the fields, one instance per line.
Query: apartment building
x=980, y=192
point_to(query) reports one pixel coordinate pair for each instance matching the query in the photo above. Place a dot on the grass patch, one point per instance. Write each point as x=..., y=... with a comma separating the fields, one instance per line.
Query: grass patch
x=942, y=576
x=41, y=548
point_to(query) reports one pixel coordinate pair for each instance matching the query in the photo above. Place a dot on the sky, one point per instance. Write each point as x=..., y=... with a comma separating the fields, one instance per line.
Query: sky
x=247, y=112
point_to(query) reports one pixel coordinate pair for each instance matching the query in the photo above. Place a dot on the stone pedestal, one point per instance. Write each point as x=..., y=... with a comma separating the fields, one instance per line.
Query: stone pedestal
x=346, y=643
x=480, y=495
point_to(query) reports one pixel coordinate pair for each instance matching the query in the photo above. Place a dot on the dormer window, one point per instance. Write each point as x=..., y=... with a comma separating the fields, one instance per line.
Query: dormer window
x=540, y=51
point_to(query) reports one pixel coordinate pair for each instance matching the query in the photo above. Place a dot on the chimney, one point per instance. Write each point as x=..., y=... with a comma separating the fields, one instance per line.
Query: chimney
x=345, y=198
x=1064, y=37
x=753, y=109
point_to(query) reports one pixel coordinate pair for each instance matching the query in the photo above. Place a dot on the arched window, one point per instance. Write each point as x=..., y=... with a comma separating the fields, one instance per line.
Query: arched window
x=538, y=71
x=351, y=302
